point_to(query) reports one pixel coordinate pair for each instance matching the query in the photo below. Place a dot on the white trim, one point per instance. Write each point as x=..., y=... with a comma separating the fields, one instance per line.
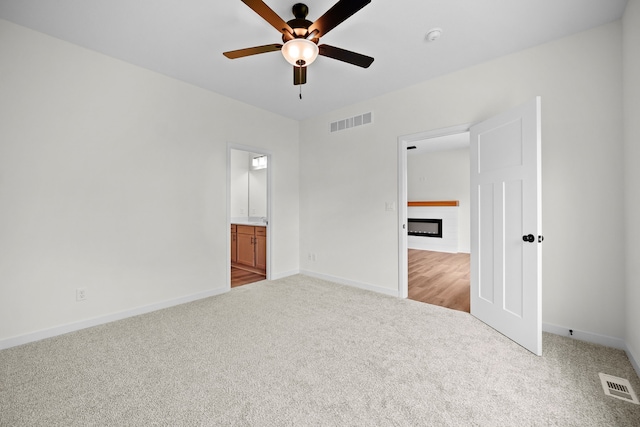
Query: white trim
x=635, y=361
x=593, y=338
x=403, y=258
x=360, y=285
x=403, y=142
x=585, y=336
x=88, y=323
x=277, y=276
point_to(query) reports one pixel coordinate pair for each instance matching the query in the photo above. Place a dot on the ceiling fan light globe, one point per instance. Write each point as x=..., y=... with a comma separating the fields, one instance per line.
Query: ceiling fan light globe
x=300, y=50
x=308, y=53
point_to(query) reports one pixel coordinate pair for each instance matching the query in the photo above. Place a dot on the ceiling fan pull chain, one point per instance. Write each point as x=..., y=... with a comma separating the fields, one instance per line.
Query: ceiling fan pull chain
x=300, y=76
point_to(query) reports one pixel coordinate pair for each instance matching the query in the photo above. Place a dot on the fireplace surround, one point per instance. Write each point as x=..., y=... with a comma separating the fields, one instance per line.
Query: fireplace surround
x=433, y=225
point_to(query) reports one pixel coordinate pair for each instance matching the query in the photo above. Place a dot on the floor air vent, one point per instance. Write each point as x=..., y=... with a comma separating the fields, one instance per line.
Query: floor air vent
x=618, y=388
x=351, y=122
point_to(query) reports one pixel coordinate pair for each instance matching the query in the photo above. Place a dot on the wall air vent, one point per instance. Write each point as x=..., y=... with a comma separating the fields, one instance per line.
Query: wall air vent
x=351, y=122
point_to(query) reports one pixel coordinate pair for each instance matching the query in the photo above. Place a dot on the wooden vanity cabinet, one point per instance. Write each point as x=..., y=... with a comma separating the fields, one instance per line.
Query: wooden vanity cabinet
x=245, y=246
x=261, y=248
x=251, y=248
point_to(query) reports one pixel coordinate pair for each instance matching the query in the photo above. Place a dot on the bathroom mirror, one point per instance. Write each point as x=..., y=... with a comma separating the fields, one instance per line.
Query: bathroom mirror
x=248, y=184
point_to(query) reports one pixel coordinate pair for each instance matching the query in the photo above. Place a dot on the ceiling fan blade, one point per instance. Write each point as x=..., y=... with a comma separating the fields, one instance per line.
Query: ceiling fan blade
x=337, y=14
x=240, y=53
x=345, y=55
x=270, y=16
x=299, y=75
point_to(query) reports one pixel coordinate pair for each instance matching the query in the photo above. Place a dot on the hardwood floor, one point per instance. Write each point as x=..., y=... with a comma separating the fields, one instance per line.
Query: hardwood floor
x=241, y=277
x=440, y=278
x=434, y=277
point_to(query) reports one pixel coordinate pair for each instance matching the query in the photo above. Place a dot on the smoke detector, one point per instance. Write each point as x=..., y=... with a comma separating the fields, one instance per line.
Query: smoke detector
x=433, y=34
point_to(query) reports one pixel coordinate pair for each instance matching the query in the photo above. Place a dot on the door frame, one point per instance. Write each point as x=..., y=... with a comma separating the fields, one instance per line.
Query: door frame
x=263, y=152
x=403, y=142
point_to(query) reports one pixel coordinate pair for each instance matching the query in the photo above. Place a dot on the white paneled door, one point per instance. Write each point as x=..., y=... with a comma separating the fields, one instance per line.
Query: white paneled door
x=506, y=226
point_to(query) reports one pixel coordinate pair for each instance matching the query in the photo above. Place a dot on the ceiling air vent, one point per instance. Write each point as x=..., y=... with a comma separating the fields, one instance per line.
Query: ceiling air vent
x=351, y=122
x=618, y=388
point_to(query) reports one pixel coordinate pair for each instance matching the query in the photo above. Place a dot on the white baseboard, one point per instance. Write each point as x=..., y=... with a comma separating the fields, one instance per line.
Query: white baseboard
x=87, y=323
x=284, y=274
x=360, y=285
x=634, y=359
x=607, y=341
x=595, y=339
x=585, y=336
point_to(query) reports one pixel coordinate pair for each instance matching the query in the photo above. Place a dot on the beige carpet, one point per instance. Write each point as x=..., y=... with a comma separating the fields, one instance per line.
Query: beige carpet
x=299, y=352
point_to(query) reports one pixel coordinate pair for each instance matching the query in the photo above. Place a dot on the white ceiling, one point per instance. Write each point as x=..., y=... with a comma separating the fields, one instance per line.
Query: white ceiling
x=185, y=39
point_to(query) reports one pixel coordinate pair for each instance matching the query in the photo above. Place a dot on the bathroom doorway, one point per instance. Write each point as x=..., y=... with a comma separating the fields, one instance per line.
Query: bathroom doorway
x=248, y=213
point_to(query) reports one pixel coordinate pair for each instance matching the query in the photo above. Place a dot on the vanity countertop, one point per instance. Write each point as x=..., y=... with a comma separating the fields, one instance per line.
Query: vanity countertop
x=258, y=222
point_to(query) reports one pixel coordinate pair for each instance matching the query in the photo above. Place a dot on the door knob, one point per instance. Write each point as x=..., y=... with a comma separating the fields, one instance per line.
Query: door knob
x=528, y=238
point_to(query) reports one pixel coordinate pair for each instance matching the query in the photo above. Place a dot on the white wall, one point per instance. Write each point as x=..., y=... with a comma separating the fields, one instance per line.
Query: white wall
x=443, y=175
x=114, y=178
x=631, y=23
x=349, y=176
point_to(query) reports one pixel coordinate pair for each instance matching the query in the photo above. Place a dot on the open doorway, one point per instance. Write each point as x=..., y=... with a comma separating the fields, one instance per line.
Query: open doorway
x=249, y=213
x=506, y=211
x=435, y=200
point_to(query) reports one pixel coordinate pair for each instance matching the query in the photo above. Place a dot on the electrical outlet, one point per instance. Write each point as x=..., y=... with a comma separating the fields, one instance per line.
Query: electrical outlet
x=309, y=256
x=81, y=294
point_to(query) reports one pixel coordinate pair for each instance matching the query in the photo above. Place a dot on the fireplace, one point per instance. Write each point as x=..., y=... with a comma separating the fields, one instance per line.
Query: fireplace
x=425, y=227
x=432, y=225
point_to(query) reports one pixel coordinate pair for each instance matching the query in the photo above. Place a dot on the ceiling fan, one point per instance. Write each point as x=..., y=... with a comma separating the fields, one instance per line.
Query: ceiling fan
x=301, y=36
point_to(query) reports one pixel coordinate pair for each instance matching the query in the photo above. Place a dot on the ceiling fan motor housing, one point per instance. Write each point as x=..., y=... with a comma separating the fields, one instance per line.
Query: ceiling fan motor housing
x=300, y=23
x=300, y=10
